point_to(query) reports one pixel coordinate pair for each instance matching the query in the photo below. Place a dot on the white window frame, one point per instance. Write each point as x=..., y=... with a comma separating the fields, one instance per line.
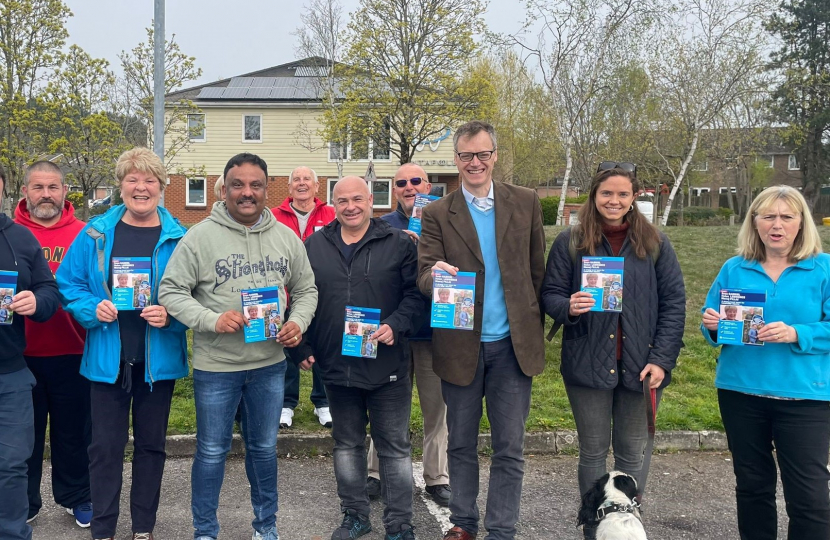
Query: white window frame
x=388, y=182
x=700, y=167
x=792, y=163
x=251, y=141
x=698, y=191
x=722, y=190
x=187, y=201
x=334, y=160
x=442, y=185
x=770, y=159
x=204, y=128
x=365, y=159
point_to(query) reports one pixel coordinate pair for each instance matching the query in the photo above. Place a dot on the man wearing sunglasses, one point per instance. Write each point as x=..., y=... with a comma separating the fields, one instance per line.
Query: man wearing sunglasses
x=496, y=231
x=410, y=180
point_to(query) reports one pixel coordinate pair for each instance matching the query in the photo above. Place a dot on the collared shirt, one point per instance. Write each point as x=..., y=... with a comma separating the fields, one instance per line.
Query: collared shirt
x=484, y=203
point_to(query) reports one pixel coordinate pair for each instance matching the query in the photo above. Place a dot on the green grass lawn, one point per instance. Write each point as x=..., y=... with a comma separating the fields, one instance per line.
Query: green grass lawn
x=690, y=402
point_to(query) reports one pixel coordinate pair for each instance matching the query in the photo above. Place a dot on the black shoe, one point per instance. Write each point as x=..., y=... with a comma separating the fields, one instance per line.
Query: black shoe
x=373, y=488
x=440, y=493
x=354, y=526
x=407, y=532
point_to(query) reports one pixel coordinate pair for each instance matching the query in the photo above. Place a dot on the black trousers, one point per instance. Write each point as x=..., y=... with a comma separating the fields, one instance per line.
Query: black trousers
x=61, y=399
x=800, y=432
x=110, y=429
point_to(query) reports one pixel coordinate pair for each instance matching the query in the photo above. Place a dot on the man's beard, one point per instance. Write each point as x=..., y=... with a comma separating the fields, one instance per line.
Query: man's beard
x=47, y=210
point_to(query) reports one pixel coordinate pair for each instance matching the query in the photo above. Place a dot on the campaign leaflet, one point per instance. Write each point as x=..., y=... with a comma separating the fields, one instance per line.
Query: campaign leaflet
x=741, y=316
x=360, y=323
x=453, y=300
x=421, y=200
x=8, y=288
x=603, y=278
x=261, y=308
x=131, y=282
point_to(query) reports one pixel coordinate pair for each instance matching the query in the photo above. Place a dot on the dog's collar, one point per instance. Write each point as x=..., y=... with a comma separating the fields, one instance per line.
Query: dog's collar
x=610, y=508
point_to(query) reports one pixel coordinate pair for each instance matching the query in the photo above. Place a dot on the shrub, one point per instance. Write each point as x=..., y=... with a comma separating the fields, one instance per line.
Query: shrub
x=77, y=199
x=699, y=216
x=550, y=205
x=98, y=210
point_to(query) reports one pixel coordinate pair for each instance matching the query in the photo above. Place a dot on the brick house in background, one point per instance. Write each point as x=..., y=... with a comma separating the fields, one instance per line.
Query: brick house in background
x=275, y=113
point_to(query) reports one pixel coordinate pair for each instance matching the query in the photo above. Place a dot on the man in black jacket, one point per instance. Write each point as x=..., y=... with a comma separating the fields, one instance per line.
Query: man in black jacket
x=25, y=277
x=364, y=264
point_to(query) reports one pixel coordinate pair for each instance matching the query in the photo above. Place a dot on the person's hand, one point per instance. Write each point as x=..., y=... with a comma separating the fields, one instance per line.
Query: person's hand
x=155, y=316
x=231, y=321
x=446, y=267
x=106, y=311
x=412, y=235
x=657, y=375
x=710, y=319
x=290, y=335
x=306, y=364
x=24, y=303
x=384, y=335
x=580, y=302
x=777, y=332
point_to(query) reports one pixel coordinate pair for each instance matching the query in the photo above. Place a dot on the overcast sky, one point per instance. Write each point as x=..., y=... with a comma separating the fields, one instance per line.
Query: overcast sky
x=227, y=38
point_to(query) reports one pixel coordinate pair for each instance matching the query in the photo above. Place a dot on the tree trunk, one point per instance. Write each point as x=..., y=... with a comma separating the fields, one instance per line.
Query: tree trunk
x=560, y=212
x=681, y=175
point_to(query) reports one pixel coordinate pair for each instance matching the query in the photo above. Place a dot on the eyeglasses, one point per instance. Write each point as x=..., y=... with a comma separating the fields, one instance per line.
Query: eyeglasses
x=414, y=181
x=622, y=165
x=482, y=156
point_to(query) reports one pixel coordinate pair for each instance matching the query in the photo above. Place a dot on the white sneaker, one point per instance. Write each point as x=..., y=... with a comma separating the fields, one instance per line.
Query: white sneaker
x=323, y=415
x=286, y=418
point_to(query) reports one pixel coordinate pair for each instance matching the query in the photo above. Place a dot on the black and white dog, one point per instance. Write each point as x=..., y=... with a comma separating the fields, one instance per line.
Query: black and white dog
x=612, y=502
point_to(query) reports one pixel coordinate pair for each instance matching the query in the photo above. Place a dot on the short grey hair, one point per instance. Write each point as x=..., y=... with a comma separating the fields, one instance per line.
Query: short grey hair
x=473, y=128
x=42, y=166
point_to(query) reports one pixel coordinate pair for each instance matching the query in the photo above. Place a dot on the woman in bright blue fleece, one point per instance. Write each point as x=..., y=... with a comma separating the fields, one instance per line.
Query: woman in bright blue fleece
x=777, y=394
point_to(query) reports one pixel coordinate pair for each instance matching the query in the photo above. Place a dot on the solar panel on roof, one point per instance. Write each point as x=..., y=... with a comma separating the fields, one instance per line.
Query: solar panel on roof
x=237, y=82
x=211, y=93
x=234, y=93
x=258, y=93
x=265, y=82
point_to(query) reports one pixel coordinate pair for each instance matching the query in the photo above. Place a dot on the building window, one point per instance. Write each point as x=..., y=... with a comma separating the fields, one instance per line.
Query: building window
x=698, y=191
x=196, y=127
x=439, y=189
x=724, y=189
x=330, y=190
x=731, y=163
x=792, y=163
x=701, y=166
x=381, y=192
x=196, y=194
x=768, y=160
x=252, y=128
x=353, y=147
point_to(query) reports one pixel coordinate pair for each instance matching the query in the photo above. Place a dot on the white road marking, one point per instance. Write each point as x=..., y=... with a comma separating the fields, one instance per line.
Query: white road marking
x=441, y=514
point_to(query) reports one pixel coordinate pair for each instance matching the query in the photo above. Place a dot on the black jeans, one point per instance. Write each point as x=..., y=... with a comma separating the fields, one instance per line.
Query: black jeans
x=292, y=387
x=800, y=432
x=61, y=395
x=110, y=429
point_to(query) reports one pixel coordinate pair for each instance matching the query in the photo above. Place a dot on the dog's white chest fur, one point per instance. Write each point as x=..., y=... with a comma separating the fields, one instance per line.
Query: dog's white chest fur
x=621, y=526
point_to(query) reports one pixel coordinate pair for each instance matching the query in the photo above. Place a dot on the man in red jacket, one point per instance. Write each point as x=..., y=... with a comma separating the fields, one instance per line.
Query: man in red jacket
x=53, y=354
x=304, y=214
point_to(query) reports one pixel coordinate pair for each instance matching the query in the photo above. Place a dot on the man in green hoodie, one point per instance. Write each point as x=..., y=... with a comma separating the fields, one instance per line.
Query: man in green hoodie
x=239, y=246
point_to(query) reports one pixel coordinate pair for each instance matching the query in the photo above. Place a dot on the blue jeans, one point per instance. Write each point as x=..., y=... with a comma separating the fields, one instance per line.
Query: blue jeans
x=500, y=381
x=217, y=396
x=292, y=387
x=17, y=426
x=388, y=409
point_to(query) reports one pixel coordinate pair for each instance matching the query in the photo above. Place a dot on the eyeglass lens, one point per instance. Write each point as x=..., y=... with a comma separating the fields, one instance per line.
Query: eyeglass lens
x=482, y=156
x=414, y=181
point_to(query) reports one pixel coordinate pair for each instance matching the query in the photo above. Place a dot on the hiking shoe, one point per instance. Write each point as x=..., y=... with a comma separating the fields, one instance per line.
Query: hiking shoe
x=143, y=536
x=407, y=532
x=286, y=418
x=82, y=513
x=373, y=487
x=440, y=493
x=323, y=415
x=354, y=526
x=270, y=534
x=457, y=533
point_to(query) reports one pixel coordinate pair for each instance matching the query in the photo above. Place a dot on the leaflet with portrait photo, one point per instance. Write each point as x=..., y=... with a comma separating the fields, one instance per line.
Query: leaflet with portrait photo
x=8, y=288
x=741, y=316
x=453, y=300
x=603, y=278
x=421, y=200
x=261, y=308
x=360, y=323
x=131, y=283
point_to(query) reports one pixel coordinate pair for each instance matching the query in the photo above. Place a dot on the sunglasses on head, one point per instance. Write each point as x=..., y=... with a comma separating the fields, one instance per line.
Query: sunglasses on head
x=622, y=165
x=414, y=181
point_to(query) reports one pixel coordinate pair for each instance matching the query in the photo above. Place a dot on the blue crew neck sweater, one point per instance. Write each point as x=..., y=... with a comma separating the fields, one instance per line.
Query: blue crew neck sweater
x=494, y=323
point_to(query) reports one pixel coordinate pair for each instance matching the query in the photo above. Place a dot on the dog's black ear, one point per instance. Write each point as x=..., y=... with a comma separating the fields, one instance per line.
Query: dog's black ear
x=626, y=484
x=591, y=501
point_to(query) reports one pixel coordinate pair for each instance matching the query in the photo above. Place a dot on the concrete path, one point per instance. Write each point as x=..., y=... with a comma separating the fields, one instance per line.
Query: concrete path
x=690, y=496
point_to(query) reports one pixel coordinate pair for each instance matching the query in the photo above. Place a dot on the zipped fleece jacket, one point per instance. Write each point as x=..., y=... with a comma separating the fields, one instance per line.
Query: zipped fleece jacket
x=20, y=252
x=61, y=334
x=82, y=280
x=653, y=316
x=319, y=217
x=213, y=263
x=382, y=275
x=800, y=298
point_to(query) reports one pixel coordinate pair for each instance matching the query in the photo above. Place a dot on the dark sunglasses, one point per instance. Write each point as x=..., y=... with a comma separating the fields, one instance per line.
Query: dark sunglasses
x=414, y=181
x=622, y=165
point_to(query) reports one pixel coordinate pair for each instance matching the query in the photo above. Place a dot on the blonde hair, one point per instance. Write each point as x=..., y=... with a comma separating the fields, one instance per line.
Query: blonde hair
x=807, y=242
x=217, y=187
x=142, y=160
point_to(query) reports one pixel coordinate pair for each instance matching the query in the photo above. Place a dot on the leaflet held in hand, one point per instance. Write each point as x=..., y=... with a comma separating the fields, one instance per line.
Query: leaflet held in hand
x=8, y=288
x=453, y=299
x=360, y=324
x=261, y=308
x=421, y=200
x=741, y=316
x=131, y=283
x=603, y=278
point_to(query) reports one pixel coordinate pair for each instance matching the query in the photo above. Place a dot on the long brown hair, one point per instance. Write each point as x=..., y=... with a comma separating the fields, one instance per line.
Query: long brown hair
x=643, y=235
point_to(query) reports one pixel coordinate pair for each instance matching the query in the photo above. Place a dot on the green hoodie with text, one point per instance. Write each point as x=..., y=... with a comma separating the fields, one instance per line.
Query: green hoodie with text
x=213, y=263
